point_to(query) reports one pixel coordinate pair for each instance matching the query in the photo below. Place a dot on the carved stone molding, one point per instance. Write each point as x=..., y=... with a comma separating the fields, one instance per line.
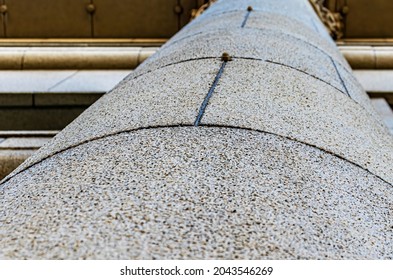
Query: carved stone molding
x=333, y=21
x=197, y=12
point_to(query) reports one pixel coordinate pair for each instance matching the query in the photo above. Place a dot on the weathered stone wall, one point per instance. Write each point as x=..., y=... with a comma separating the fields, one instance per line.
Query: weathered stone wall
x=271, y=152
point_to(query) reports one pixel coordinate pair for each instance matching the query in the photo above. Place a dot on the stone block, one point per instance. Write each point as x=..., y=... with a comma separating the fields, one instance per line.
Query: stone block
x=90, y=81
x=384, y=110
x=151, y=100
x=255, y=44
x=16, y=99
x=31, y=81
x=30, y=118
x=10, y=58
x=285, y=102
x=81, y=58
x=23, y=142
x=11, y=159
x=153, y=193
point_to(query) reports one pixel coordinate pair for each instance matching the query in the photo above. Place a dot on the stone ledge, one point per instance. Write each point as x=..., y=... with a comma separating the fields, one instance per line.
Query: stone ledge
x=18, y=58
x=17, y=146
x=384, y=111
x=10, y=159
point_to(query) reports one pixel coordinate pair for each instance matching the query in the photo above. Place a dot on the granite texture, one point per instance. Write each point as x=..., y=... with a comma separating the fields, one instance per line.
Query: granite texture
x=355, y=89
x=153, y=99
x=264, y=100
x=258, y=20
x=195, y=193
x=289, y=166
x=267, y=99
x=294, y=28
x=255, y=44
x=294, y=9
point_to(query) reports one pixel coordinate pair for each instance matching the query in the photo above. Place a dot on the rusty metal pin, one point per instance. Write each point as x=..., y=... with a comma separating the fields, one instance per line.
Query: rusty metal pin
x=90, y=8
x=226, y=57
x=345, y=10
x=178, y=9
x=3, y=9
x=249, y=8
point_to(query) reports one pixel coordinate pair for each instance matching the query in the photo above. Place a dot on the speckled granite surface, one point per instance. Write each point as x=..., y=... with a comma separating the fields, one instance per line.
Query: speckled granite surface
x=289, y=159
x=196, y=193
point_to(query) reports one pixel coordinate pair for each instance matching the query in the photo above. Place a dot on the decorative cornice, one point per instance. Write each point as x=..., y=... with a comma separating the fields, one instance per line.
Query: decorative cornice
x=333, y=21
x=197, y=12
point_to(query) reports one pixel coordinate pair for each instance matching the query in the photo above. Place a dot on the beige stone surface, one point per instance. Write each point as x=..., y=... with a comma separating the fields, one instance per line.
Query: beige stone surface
x=91, y=81
x=241, y=100
x=11, y=59
x=359, y=57
x=355, y=90
x=15, y=150
x=30, y=58
x=57, y=81
x=195, y=193
x=385, y=111
x=283, y=165
x=29, y=133
x=375, y=80
x=256, y=44
x=145, y=53
x=23, y=142
x=154, y=99
x=17, y=146
x=81, y=58
x=31, y=81
x=260, y=20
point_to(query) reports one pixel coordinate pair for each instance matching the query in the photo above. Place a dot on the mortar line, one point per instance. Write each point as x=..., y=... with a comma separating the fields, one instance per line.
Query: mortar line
x=171, y=64
x=6, y=179
x=138, y=59
x=63, y=80
x=339, y=76
x=321, y=80
x=236, y=57
x=260, y=29
x=209, y=94
x=246, y=58
x=315, y=26
x=304, y=72
x=245, y=19
x=299, y=70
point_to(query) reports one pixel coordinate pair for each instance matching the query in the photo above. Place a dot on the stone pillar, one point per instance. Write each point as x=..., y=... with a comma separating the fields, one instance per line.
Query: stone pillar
x=245, y=136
